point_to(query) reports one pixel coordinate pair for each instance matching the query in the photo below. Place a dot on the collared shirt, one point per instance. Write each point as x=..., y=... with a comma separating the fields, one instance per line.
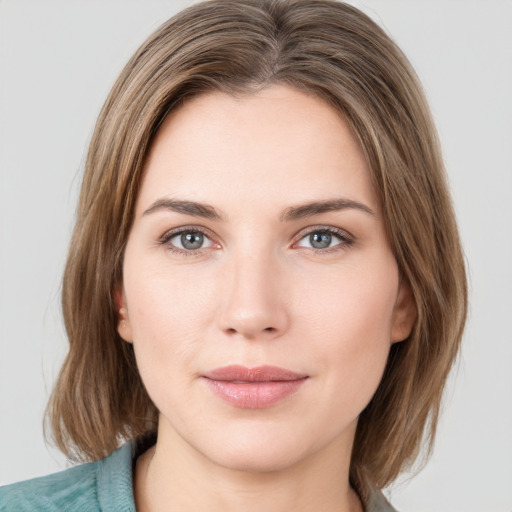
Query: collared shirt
x=102, y=486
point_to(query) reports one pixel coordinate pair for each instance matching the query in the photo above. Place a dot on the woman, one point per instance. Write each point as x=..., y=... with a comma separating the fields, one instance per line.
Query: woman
x=265, y=290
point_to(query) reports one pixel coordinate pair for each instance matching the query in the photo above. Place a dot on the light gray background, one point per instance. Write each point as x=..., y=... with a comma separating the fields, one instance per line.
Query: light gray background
x=58, y=60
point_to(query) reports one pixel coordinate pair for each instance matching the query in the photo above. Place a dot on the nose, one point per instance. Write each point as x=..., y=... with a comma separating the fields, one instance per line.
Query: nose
x=255, y=299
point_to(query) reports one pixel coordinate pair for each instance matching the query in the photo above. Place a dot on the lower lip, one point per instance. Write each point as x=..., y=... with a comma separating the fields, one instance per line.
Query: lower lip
x=254, y=395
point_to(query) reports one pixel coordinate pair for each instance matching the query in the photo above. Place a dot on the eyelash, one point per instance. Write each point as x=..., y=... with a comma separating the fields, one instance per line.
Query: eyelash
x=346, y=239
x=167, y=237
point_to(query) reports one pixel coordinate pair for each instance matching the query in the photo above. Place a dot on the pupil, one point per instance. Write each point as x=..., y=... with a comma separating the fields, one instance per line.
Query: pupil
x=320, y=240
x=192, y=240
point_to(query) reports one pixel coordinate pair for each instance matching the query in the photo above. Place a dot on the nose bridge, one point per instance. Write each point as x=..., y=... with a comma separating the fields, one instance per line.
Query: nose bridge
x=254, y=303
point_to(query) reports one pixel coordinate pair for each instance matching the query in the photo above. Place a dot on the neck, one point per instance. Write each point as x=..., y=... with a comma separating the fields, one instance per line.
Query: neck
x=173, y=476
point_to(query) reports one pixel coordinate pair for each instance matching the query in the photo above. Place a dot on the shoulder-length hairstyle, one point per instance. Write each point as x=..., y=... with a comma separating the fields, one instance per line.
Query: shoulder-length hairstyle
x=335, y=52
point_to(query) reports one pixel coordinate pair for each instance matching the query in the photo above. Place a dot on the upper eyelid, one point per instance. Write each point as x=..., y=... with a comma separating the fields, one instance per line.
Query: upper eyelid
x=334, y=230
x=186, y=229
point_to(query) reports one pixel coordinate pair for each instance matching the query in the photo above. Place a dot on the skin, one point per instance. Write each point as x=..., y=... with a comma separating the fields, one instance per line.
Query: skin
x=257, y=293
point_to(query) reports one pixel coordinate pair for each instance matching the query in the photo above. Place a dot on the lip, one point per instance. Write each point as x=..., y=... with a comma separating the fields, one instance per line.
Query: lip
x=253, y=388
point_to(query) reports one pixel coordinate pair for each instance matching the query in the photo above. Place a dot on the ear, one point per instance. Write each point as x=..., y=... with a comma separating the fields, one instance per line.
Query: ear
x=123, y=320
x=404, y=313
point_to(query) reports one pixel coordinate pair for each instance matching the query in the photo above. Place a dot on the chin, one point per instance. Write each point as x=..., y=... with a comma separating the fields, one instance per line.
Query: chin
x=258, y=451
x=257, y=460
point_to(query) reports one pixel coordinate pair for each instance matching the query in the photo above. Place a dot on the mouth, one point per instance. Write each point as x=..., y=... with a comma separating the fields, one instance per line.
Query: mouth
x=253, y=388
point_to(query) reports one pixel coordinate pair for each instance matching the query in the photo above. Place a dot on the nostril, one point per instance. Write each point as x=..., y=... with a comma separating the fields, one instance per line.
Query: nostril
x=232, y=330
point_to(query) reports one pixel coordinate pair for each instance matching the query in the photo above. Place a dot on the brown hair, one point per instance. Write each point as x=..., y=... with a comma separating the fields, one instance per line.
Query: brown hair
x=325, y=48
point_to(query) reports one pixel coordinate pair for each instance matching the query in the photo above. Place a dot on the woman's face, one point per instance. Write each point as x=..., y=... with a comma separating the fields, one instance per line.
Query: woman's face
x=260, y=291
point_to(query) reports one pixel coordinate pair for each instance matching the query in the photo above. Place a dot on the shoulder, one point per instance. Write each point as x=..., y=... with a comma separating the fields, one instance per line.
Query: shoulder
x=377, y=502
x=74, y=489
x=100, y=485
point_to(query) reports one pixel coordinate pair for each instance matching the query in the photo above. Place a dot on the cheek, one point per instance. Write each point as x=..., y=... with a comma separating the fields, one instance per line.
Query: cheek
x=163, y=304
x=355, y=303
x=350, y=319
x=168, y=316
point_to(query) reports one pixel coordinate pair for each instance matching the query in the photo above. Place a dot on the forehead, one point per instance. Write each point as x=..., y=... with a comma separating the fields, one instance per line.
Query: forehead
x=278, y=143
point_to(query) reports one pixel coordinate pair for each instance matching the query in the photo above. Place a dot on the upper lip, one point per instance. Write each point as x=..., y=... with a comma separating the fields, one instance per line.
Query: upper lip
x=258, y=374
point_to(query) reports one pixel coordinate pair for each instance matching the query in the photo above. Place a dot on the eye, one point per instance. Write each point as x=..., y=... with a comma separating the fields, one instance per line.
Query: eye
x=325, y=238
x=187, y=241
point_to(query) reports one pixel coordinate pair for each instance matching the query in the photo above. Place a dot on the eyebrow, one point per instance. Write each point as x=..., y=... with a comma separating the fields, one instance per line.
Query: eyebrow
x=318, y=207
x=207, y=211
x=187, y=207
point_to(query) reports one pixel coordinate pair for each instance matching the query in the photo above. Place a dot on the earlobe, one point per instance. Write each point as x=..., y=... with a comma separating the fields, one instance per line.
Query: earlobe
x=404, y=314
x=123, y=321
